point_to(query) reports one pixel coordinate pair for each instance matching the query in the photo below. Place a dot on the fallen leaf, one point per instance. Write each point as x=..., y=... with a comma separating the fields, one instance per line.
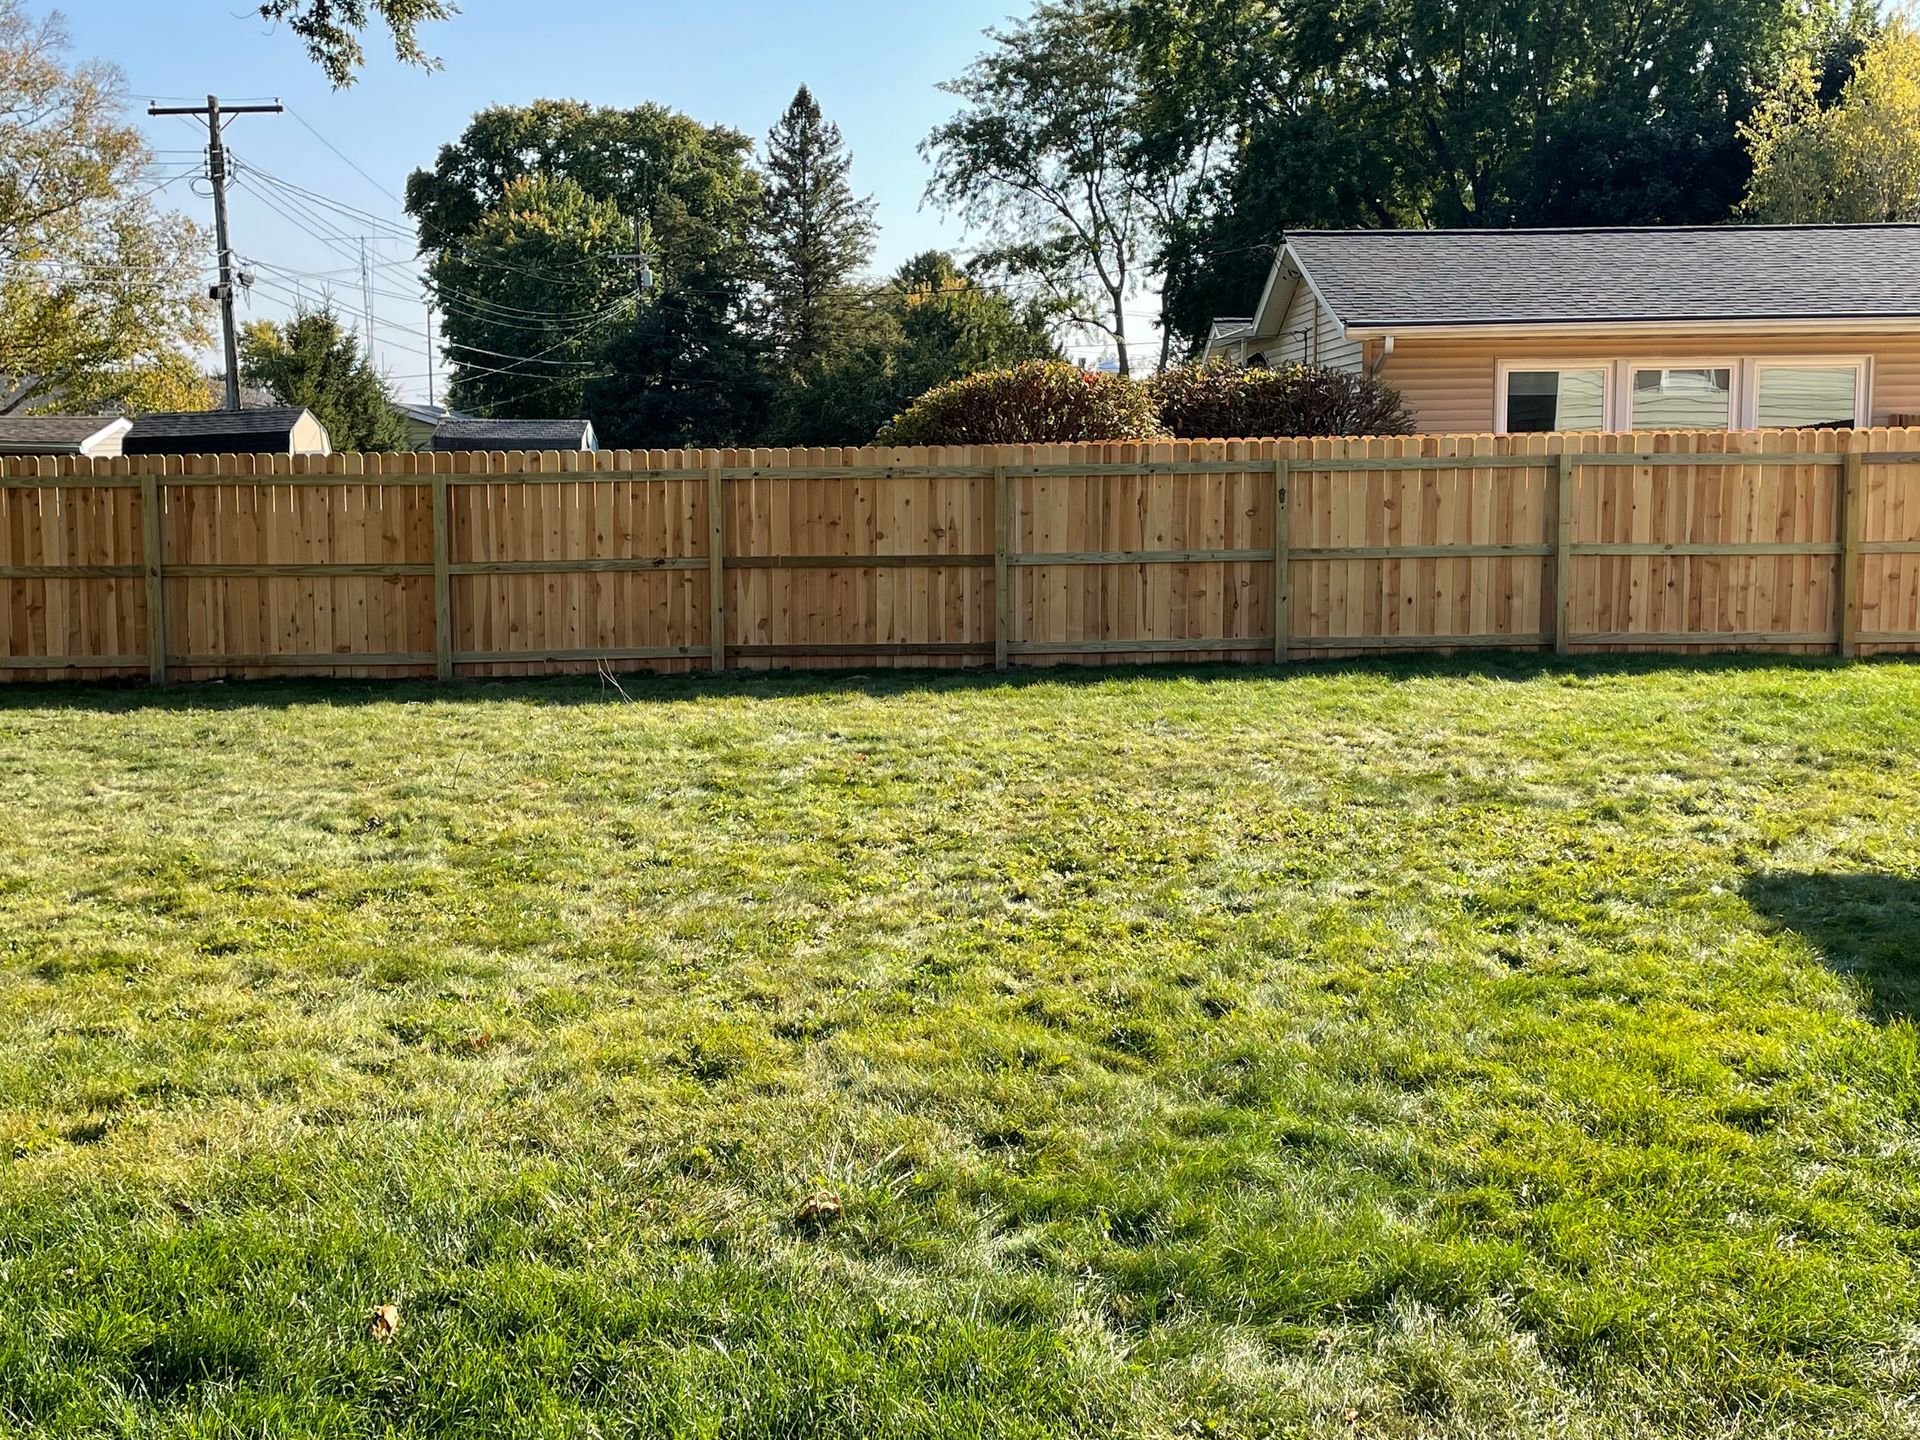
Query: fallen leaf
x=818, y=1208
x=385, y=1323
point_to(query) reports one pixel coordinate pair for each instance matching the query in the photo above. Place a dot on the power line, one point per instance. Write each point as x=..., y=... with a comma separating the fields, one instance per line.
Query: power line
x=343, y=155
x=217, y=174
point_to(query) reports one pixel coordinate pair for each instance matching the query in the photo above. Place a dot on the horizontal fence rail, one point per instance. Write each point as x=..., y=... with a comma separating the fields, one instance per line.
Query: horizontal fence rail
x=507, y=564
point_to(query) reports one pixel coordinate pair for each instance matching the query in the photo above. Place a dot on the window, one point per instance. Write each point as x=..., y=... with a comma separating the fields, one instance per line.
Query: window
x=1684, y=392
x=1539, y=400
x=1807, y=396
x=1684, y=398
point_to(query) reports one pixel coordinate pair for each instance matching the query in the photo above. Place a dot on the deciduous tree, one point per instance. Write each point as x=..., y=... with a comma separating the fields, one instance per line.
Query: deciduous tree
x=331, y=30
x=1409, y=113
x=1856, y=160
x=931, y=323
x=1044, y=157
x=530, y=297
x=100, y=292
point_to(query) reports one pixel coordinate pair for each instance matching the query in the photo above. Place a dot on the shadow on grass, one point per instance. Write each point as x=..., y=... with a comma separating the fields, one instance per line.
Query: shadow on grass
x=1867, y=928
x=640, y=686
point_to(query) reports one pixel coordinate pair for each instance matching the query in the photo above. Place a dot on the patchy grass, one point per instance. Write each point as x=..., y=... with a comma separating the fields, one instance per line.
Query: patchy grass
x=1495, y=1049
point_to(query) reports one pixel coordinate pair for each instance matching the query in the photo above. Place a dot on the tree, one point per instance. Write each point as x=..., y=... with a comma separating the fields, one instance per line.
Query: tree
x=692, y=185
x=530, y=297
x=932, y=323
x=525, y=215
x=331, y=30
x=680, y=375
x=1856, y=160
x=818, y=236
x=1044, y=155
x=100, y=294
x=1407, y=113
x=313, y=360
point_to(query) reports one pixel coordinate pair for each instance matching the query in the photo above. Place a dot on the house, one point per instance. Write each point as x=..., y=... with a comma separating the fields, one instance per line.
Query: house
x=277, y=430
x=422, y=420
x=1624, y=329
x=92, y=435
x=465, y=434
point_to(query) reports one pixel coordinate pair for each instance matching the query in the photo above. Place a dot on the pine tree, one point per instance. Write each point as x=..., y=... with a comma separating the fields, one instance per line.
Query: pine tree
x=817, y=235
x=315, y=361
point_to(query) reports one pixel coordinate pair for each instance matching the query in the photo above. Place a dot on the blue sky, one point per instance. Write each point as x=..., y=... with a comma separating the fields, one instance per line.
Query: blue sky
x=874, y=64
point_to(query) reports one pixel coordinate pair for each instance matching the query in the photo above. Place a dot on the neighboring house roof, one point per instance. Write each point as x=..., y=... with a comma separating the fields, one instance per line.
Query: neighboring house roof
x=62, y=434
x=514, y=435
x=213, y=432
x=1403, y=279
x=428, y=414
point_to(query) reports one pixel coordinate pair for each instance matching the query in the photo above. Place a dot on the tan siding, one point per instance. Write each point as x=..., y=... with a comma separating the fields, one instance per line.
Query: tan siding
x=1308, y=333
x=1450, y=382
x=1333, y=347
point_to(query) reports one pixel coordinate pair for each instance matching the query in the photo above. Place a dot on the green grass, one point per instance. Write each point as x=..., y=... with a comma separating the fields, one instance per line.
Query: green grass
x=1501, y=1049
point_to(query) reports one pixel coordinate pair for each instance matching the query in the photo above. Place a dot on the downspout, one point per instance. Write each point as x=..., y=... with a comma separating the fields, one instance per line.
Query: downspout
x=1380, y=360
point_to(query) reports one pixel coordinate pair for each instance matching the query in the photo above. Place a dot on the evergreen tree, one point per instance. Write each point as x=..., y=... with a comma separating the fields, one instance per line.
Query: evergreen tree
x=817, y=236
x=314, y=361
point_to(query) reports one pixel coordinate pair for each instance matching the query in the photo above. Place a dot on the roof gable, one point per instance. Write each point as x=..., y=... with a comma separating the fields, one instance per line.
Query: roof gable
x=56, y=434
x=1395, y=279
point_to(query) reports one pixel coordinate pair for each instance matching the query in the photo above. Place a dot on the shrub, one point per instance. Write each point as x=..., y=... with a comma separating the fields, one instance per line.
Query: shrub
x=1038, y=403
x=1220, y=400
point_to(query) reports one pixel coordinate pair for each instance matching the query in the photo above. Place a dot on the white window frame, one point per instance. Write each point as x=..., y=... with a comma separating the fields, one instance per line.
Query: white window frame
x=1504, y=368
x=1743, y=409
x=1623, y=409
x=1861, y=365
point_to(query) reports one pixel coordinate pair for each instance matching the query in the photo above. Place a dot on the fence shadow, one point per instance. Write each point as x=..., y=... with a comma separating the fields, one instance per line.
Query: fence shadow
x=646, y=687
x=1866, y=927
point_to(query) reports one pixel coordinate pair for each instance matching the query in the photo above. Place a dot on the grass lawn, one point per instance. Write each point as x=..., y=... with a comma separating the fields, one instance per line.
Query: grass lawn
x=1499, y=1048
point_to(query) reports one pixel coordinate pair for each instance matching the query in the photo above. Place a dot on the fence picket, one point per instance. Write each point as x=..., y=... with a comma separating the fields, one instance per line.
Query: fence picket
x=524, y=563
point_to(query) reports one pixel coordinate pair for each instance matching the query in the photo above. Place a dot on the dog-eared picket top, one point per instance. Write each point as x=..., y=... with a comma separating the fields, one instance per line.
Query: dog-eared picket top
x=510, y=563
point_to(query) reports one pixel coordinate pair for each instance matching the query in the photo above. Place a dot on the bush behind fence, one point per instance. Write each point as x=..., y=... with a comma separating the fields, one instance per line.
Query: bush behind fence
x=512, y=564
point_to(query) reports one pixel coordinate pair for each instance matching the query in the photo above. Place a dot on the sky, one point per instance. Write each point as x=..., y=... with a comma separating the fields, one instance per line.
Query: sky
x=874, y=65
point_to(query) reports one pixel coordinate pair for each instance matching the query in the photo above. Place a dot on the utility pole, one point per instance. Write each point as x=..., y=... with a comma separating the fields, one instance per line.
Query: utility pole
x=642, y=266
x=217, y=174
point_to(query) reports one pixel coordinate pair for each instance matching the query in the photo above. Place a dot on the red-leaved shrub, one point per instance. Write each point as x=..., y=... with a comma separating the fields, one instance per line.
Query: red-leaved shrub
x=1041, y=402
x=1220, y=400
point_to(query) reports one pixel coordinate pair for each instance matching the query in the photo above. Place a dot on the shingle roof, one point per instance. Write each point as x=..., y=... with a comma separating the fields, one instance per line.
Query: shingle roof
x=1506, y=277
x=50, y=434
x=512, y=435
x=211, y=432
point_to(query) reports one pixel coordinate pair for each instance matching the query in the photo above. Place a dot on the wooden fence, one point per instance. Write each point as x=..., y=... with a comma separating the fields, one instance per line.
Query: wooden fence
x=511, y=564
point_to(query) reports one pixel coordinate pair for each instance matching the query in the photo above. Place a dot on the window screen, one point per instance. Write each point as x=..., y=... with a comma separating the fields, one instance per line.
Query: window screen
x=1539, y=400
x=1804, y=397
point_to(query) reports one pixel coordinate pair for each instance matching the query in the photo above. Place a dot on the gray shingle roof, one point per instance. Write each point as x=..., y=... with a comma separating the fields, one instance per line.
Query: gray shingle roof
x=277, y=420
x=512, y=435
x=1507, y=277
x=50, y=434
x=214, y=432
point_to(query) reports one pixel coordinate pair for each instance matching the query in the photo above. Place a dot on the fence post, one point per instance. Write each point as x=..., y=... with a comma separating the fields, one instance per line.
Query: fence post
x=1563, y=555
x=1850, y=527
x=152, y=545
x=442, y=580
x=1002, y=601
x=716, y=568
x=1282, y=562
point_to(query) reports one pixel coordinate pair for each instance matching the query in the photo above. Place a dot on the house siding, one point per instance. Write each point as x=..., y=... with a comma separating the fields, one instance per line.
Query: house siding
x=1449, y=382
x=1308, y=334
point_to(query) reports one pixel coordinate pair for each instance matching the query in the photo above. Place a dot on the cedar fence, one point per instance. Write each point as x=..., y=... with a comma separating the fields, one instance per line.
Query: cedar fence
x=512, y=564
